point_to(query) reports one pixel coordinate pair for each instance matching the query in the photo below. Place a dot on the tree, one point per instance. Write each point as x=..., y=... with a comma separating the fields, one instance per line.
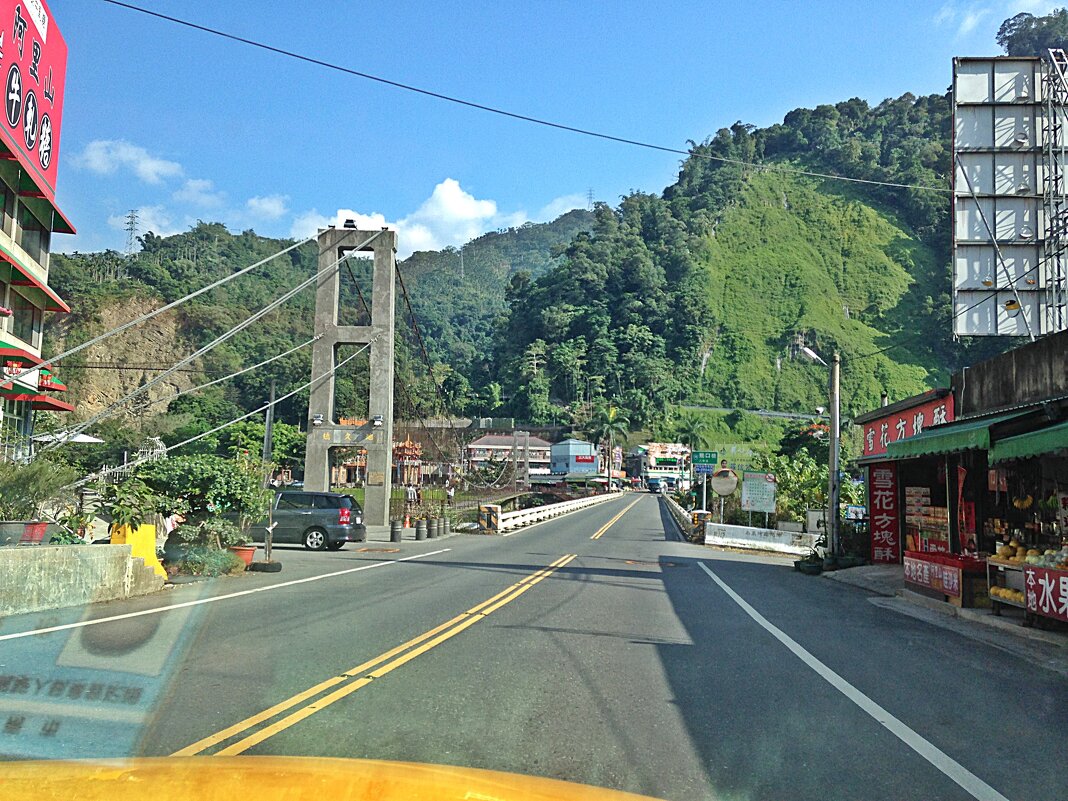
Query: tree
x=692, y=430
x=801, y=484
x=607, y=423
x=26, y=488
x=1028, y=35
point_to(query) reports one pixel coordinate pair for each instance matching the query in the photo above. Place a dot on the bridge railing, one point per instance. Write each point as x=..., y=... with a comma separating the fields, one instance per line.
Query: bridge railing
x=492, y=520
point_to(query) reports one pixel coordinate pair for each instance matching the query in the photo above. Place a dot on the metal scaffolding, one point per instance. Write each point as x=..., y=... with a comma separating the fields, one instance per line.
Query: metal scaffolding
x=1055, y=196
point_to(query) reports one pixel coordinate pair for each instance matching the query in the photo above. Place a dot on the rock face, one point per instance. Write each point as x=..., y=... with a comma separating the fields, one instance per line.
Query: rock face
x=157, y=343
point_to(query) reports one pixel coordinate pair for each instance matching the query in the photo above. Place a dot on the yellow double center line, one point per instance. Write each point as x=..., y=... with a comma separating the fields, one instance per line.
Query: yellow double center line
x=600, y=532
x=352, y=680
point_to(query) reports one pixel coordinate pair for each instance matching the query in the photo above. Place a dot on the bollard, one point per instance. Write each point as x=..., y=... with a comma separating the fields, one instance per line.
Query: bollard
x=420, y=529
x=447, y=527
x=395, y=530
x=432, y=528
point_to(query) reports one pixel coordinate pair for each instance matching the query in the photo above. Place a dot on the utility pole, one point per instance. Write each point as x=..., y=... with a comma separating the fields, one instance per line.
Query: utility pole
x=526, y=459
x=268, y=454
x=833, y=483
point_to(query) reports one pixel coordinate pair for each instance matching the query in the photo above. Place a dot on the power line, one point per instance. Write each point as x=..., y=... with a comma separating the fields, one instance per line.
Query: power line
x=230, y=375
x=275, y=402
x=214, y=343
x=148, y=316
x=502, y=112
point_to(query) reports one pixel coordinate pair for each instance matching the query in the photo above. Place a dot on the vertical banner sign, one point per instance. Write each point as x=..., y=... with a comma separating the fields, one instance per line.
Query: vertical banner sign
x=885, y=514
x=33, y=63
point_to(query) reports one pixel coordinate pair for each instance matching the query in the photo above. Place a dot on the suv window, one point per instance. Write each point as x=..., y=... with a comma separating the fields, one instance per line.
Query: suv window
x=295, y=500
x=333, y=502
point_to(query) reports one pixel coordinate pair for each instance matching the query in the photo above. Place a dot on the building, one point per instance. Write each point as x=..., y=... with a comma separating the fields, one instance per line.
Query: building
x=959, y=473
x=572, y=456
x=663, y=460
x=36, y=55
x=498, y=449
x=407, y=462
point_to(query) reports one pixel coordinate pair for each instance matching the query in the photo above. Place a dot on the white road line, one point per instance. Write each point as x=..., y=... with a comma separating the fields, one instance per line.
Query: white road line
x=975, y=786
x=80, y=624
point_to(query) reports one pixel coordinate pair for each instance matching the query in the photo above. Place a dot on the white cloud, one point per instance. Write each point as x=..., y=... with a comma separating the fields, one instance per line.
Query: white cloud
x=968, y=16
x=450, y=216
x=149, y=218
x=105, y=156
x=269, y=207
x=969, y=20
x=560, y=205
x=200, y=192
x=307, y=223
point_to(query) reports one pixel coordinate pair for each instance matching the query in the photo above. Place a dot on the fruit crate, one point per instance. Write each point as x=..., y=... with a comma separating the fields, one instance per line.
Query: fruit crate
x=997, y=575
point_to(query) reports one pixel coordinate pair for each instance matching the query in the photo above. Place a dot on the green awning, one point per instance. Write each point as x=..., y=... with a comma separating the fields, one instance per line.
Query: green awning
x=965, y=435
x=1032, y=443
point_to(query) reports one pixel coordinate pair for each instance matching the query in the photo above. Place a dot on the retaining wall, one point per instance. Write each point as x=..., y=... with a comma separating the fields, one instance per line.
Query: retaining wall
x=35, y=578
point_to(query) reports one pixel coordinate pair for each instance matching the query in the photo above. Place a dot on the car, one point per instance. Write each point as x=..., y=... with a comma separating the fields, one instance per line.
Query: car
x=317, y=520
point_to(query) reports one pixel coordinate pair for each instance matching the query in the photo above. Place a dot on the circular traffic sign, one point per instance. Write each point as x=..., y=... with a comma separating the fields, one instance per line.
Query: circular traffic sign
x=724, y=482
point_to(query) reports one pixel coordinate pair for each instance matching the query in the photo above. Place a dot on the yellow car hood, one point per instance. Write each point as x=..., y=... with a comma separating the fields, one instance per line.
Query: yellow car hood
x=271, y=778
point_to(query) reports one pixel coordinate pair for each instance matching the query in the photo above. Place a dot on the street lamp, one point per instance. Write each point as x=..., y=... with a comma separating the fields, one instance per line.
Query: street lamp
x=833, y=480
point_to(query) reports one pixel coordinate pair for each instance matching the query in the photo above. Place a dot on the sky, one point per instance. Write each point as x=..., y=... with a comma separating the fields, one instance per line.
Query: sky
x=183, y=126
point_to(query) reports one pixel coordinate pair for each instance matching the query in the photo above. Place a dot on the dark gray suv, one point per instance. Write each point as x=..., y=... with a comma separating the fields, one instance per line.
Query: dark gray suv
x=317, y=520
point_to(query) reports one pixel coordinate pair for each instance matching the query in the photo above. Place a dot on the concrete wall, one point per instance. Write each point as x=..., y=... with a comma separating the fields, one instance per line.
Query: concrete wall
x=1030, y=373
x=34, y=578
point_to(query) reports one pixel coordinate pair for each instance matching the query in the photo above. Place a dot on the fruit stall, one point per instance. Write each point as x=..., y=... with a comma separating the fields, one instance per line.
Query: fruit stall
x=959, y=579
x=1030, y=579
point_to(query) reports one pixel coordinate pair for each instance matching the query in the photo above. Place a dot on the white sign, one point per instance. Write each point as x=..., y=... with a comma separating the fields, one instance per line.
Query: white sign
x=761, y=539
x=758, y=492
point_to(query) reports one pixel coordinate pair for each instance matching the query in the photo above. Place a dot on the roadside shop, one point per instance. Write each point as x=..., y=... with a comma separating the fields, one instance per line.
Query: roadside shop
x=979, y=501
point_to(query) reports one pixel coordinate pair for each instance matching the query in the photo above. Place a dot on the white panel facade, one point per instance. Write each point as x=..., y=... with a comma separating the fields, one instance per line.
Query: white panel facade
x=974, y=126
x=1016, y=218
x=1014, y=81
x=999, y=139
x=973, y=82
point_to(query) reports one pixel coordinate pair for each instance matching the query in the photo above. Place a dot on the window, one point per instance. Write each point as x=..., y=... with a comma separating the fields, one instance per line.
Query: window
x=7, y=207
x=33, y=237
x=295, y=500
x=333, y=502
x=26, y=320
x=14, y=419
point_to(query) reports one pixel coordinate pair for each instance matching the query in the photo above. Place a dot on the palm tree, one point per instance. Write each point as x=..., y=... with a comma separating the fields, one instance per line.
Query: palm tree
x=607, y=423
x=692, y=431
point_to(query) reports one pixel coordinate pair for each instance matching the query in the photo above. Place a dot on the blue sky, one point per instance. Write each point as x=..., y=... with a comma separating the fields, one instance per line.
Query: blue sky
x=185, y=126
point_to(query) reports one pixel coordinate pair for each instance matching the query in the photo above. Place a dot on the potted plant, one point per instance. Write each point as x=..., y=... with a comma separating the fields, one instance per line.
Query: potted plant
x=226, y=534
x=810, y=564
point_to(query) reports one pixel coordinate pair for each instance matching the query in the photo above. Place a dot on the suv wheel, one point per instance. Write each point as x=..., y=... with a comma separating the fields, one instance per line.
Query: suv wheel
x=336, y=546
x=314, y=539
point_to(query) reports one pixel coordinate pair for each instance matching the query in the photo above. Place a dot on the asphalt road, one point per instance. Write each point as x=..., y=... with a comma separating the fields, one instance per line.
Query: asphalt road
x=584, y=649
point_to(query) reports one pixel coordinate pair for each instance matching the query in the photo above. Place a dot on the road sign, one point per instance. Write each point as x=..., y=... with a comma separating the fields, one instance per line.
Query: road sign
x=704, y=457
x=758, y=492
x=724, y=482
x=704, y=469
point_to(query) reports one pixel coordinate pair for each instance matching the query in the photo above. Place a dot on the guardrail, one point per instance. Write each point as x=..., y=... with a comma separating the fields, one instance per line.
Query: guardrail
x=682, y=517
x=508, y=520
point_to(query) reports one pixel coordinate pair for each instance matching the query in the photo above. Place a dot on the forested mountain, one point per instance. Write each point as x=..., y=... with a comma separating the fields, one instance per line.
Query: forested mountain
x=455, y=317
x=828, y=230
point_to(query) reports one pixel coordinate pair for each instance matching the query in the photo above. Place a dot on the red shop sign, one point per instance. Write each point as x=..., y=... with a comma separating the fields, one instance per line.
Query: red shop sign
x=581, y=459
x=1046, y=592
x=33, y=63
x=885, y=514
x=906, y=423
x=935, y=576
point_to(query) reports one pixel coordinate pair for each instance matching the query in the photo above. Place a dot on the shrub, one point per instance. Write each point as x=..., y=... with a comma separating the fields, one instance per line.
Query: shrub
x=201, y=560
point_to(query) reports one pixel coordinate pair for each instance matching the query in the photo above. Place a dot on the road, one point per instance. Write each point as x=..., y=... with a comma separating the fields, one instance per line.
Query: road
x=594, y=648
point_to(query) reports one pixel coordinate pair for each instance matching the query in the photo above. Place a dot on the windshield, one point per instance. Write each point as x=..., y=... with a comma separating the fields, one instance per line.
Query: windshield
x=555, y=399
